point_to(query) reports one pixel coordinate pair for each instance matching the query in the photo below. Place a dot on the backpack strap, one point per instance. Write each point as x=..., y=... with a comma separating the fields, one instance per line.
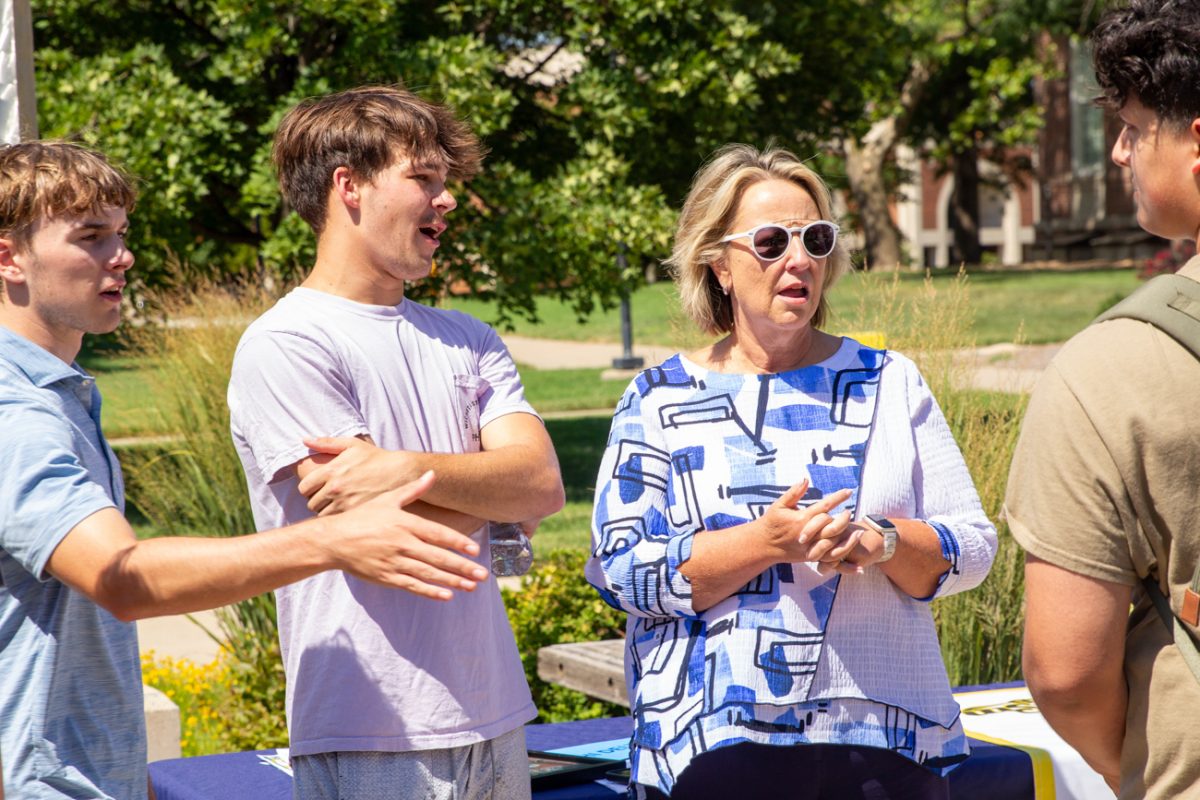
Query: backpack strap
x=1170, y=303
x=1183, y=638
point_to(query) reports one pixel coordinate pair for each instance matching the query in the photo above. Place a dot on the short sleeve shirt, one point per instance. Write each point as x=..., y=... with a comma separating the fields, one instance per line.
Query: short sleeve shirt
x=71, y=714
x=1103, y=484
x=371, y=667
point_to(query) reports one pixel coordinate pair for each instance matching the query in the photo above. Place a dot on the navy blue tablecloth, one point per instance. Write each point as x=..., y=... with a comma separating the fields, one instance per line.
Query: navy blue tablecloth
x=992, y=772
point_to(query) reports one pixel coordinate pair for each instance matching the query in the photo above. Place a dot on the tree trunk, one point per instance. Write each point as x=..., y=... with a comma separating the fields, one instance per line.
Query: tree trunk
x=964, y=208
x=865, y=162
x=864, y=170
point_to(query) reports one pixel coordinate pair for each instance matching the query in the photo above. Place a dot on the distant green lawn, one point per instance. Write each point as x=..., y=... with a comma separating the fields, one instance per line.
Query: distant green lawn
x=580, y=443
x=1036, y=307
x=130, y=391
x=1043, y=307
x=568, y=529
x=553, y=390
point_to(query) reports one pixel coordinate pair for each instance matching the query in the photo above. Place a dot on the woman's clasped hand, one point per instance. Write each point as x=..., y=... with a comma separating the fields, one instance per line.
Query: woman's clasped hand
x=811, y=532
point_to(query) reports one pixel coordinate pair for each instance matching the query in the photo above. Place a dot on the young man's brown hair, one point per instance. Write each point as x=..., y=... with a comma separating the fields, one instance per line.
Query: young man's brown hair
x=50, y=178
x=365, y=129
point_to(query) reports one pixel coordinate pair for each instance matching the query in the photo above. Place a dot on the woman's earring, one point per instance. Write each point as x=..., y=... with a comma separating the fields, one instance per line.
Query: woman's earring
x=724, y=290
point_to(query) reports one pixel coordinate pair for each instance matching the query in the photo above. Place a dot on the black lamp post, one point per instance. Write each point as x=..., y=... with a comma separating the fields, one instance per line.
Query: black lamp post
x=627, y=360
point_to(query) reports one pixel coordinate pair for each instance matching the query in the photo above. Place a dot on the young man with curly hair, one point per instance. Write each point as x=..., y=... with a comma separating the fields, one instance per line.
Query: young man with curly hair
x=1102, y=492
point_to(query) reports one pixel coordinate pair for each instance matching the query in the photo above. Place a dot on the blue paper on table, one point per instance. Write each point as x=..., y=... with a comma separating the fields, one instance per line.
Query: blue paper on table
x=612, y=750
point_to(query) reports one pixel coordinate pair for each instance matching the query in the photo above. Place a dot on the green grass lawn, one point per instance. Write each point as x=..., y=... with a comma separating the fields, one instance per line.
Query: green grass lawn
x=129, y=388
x=554, y=390
x=1033, y=307
x=1043, y=307
x=579, y=442
x=568, y=529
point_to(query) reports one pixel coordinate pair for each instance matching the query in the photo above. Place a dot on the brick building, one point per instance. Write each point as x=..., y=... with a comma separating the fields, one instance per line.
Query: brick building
x=1077, y=206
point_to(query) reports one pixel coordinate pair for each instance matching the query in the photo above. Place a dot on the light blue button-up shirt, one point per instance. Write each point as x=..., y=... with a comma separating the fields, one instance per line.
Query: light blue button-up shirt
x=71, y=715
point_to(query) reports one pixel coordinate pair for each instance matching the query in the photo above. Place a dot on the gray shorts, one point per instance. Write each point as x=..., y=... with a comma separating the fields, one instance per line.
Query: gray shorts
x=497, y=769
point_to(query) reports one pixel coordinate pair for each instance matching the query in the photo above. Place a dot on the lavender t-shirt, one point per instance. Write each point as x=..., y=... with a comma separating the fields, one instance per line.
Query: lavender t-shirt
x=369, y=667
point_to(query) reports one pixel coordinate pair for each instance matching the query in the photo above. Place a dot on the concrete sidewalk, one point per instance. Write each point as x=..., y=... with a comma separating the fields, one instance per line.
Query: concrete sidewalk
x=997, y=367
x=556, y=354
x=180, y=637
x=1007, y=367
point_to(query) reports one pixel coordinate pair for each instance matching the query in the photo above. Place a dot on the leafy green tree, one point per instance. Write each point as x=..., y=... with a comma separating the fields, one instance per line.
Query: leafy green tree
x=596, y=113
x=588, y=159
x=959, y=86
x=171, y=136
x=980, y=103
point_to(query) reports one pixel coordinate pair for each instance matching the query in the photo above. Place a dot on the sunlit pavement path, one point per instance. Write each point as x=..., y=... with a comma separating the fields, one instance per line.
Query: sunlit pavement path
x=554, y=354
x=999, y=367
x=179, y=637
x=1007, y=367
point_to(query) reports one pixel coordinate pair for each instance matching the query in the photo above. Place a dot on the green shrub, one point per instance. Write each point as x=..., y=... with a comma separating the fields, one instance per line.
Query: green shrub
x=555, y=605
x=255, y=706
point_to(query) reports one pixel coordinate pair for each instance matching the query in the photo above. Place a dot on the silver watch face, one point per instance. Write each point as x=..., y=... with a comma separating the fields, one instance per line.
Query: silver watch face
x=882, y=522
x=887, y=529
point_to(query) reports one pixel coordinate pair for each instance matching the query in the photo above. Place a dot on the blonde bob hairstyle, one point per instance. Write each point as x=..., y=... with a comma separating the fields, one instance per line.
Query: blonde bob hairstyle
x=709, y=211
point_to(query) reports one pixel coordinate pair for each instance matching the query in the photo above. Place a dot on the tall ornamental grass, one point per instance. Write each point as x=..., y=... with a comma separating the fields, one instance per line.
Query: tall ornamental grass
x=196, y=487
x=980, y=630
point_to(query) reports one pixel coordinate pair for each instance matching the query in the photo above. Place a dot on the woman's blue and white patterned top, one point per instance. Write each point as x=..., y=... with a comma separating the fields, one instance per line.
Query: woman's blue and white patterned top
x=793, y=657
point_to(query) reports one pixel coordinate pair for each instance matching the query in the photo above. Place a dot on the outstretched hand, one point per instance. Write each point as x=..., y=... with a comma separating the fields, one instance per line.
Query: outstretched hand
x=346, y=472
x=810, y=533
x=380, y=542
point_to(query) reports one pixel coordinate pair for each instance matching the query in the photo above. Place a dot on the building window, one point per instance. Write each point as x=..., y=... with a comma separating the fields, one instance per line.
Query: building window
x=1087, y=120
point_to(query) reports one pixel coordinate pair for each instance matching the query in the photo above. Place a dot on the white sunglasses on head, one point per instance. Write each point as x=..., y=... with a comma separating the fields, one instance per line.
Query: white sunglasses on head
x=771, y=241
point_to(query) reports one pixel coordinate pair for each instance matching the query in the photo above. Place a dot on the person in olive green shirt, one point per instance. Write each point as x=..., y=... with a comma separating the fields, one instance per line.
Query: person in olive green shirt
x=1102, y=487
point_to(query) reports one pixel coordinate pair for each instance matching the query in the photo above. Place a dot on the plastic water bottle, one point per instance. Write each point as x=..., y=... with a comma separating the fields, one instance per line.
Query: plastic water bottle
x=512, y=552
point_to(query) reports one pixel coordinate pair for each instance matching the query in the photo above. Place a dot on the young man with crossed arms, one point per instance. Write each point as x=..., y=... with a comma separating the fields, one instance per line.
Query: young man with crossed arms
x=389, y=694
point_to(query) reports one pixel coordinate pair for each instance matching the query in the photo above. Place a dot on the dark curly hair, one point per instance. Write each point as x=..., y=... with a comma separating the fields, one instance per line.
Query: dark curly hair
x=1150, y=50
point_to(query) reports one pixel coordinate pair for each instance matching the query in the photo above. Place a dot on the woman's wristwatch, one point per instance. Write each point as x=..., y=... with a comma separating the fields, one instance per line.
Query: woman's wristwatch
x=885, y=528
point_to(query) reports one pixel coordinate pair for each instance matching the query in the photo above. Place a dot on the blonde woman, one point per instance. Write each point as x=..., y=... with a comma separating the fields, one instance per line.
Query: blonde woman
x=774, y=511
